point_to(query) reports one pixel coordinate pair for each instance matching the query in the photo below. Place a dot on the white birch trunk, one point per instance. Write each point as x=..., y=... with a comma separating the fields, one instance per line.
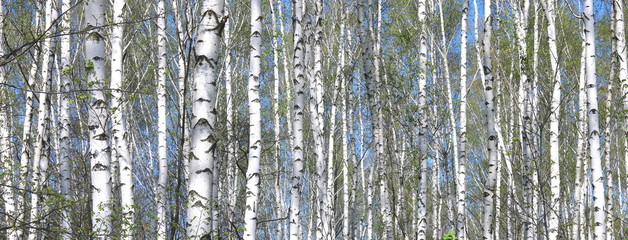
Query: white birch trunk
x=42, y=144
x=461, y=172
x=232, y=178
x=5, y=153
x=422, y=188
x=64, y=115
x=488, y=227
x=98, y=135
x=318, y=123
x=581, y=160
x=120, y=152
x=26, y=151
x=345, y=93
x=162, y=148
x=297, y=121
x=255, y=128
x=279, y=210
x=597, y=184
x=203, y=139
x=622, y=52
x=554, y=208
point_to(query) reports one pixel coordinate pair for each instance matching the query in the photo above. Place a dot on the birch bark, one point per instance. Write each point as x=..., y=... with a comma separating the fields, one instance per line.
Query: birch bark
x=255, y=128
x=554, y=122
x=203, y=139
x=99, y=137
x=121, y=147
x=5, y=153
x=488, y=227
x=461, y=185
x=422, y=189
x=162, y=148
x=597, y=183
x=297, y=120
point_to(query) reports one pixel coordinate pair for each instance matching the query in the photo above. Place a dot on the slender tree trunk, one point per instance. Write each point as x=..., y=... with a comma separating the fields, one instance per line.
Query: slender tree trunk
x=279, y=211
x=422, y=189
x=297, y=121
x=489, y=189
x=203, y=138
x=554, y=209
x=162, y=137
x=622, y=57
x=64, y=116
x=5, y=152
x=344, y=105
x=255, y=128
x=121, y=147
x=461, y=186
x=98, y=135
x=26, y=151
x=599, y=231
x=581, y=160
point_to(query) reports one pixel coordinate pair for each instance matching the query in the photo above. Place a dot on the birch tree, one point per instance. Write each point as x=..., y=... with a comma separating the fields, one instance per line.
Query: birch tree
x=203, y=138
x=622, y=52
x=120, y=151
x=255, y=128
x=162, y=148
x=5, y=152
x=489, y=189
x=422, y=194
x=597, y=177
x=42, y=145
x=98, y=135
x=554, y=121
x=64, y=112
x=462, y=158
x=297, y=119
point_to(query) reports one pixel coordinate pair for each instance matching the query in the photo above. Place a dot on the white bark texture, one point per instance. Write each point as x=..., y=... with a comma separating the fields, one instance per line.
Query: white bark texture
x=597, y=182
x=297, y=120
x=64, y=115
x=461, y=186
x=255, y=128
x=26, y=151
x=622, y=52
x=422, y=188
x=579, y=226
x=203, y=139
x=98, y=135
x=120, y=150
x=488, y=227
x=554, y=208
x=42, y=145
x=5, y=149
x=279, y=202
x=162, y=141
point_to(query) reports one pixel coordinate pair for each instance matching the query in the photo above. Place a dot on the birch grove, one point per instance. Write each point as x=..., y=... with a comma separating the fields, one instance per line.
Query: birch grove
x=377, y=119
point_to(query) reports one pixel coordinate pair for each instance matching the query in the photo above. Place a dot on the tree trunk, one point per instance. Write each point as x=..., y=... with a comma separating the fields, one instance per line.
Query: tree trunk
x=5, y=153
x=597, y=184
x=488, y=227
x=622, y=57
x=461, y=186
x=64, y=116
x=297, y=121
x=554, y=208
x=98, y=135
x=255, y=128
x=26, y=151
x=422, y=189
x=121, y=148
x=203, y=138
x=162, y=137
